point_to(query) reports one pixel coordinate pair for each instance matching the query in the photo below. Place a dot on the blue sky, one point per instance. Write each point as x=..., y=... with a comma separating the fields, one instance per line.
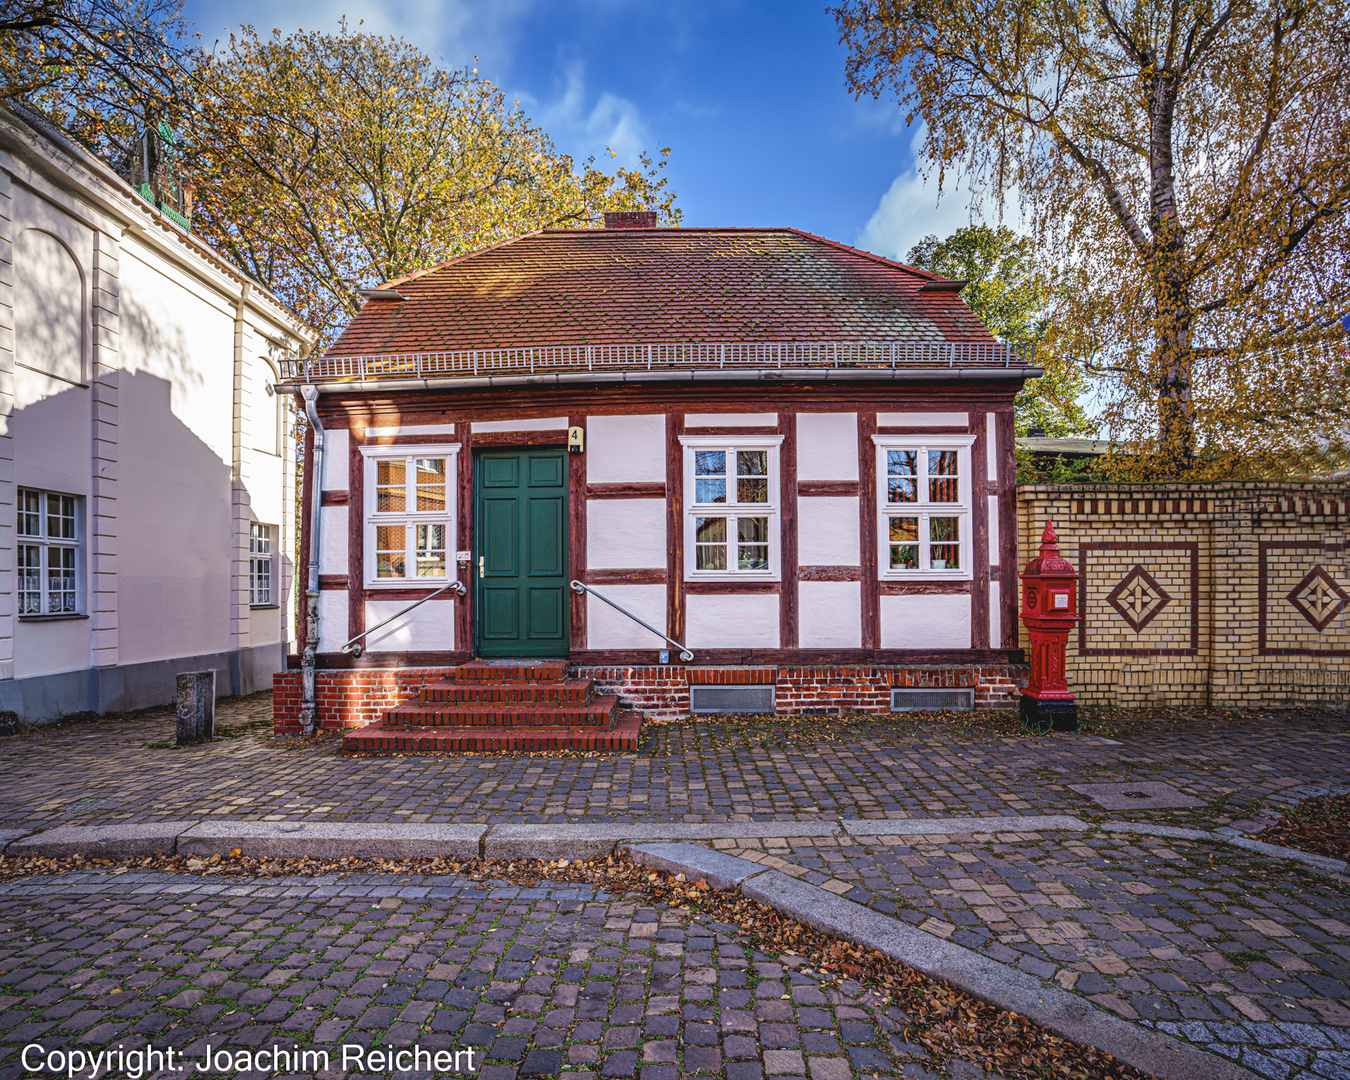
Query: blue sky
x=749, y=94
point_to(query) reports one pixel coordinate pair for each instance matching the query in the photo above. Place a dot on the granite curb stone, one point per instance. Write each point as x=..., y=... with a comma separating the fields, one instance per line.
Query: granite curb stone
x=962, y=825
x=1057, y=1010
x=718, y=869
x=588, y=841
x=8, y=836
x=103, y=841
x=1319, y=862
x=331, y=840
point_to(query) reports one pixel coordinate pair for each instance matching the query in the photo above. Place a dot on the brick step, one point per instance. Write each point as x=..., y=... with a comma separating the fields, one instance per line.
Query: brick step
x=479, y=671
x=599, y=712
x=570, y=691
x=378, y=739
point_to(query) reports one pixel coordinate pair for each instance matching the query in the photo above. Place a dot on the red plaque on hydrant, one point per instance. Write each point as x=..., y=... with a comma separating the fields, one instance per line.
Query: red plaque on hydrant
x=1049, y=611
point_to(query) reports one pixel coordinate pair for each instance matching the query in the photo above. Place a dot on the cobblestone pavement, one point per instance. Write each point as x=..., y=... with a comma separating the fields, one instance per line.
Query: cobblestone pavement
x=533, y=980
x=87, y=773
x=1248, y=957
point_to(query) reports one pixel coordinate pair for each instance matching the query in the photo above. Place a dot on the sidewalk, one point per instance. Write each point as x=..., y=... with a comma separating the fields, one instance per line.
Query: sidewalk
x=707, y=771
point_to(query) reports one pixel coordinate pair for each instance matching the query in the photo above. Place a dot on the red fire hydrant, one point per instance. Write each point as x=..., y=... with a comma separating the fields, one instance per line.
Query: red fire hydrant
x=1049, y=611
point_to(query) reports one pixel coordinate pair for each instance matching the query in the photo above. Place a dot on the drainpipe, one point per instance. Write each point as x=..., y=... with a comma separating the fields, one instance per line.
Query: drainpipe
x=307, y=705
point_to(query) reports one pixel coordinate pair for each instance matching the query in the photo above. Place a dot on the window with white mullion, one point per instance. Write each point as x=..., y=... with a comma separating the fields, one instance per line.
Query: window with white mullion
x=924, y=515
x=731, y=507
x=47, y=561
x=260, y=566
x=410, y=514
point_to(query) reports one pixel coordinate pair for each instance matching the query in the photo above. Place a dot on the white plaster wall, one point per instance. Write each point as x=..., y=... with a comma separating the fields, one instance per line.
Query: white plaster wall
x=991, y=446
x=546, y=423
x=333, y=619
x=926, y=622
x=336, y=447
x=175, y=405
x=42, y=648
x=52, y=428
x=263, y=488
x=264, y=625
x=429, y=627
x=626, y=533
x=827, y=446
x=607, y=629
x=995, y=616
x=993, y=530
x=50, y=294
x=828, y=532
x=732, y=621
x=829, y=614
x=766, y=419
x=923, y=419
x=333, y=542
x=264, y=406
x=626, y=449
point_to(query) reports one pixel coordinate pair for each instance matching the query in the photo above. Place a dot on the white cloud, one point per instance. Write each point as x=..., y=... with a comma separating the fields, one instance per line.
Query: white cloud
x=586, y=125
x=912, y=209
x=909, y=211
x=451, y=31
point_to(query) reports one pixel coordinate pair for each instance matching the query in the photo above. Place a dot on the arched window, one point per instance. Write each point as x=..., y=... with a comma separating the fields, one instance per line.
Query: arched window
x=48, y=307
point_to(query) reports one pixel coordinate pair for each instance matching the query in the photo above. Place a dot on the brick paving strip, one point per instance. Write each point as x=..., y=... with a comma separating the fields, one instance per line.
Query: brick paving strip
x=1067, y=1014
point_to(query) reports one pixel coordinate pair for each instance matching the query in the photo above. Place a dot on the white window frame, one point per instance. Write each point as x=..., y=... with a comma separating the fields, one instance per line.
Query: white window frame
x=923, y=508
x=270, y=535
x=370, y=455
x=46, y=545
x=732, y=510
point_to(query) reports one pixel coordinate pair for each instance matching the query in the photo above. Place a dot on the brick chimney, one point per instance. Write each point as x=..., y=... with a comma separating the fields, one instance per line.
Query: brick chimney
x=630, y=219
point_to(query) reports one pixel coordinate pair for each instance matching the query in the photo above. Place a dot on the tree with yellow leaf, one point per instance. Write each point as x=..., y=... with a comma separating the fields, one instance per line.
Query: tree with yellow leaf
x=1189, y=164
x=329, y=162
x=102, y=70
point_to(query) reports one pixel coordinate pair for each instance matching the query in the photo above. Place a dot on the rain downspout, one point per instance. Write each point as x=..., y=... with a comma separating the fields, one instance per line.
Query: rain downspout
x=308, y=719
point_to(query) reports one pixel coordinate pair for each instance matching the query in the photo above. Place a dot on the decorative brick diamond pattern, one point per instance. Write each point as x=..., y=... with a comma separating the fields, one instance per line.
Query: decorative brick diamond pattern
x=1138, y=598
x=1318, y=598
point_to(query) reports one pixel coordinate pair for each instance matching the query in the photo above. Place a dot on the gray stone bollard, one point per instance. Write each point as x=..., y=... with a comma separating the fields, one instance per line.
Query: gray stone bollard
x=196, y=706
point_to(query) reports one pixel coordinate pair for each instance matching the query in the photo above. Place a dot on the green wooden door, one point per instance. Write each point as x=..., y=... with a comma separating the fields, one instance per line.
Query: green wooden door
x=521, y=561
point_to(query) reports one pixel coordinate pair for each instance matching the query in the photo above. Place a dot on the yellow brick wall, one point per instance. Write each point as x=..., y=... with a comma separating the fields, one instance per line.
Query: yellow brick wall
x=1196, y=594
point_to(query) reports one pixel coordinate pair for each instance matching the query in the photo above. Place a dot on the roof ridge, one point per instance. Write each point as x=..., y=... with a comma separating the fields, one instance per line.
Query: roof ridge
x=867, y=255
x=860, y=252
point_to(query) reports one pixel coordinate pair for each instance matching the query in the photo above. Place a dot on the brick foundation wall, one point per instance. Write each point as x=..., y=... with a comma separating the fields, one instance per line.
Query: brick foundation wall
x=354, y=697
x=347, y=698
x=1194, y=594
x=663, y=692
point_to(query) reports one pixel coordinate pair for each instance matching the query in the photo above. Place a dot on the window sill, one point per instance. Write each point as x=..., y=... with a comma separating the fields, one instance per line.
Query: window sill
x=263, y=607
x=931, y=575
x=52, y=618
x=411, y=583
x=731, y=579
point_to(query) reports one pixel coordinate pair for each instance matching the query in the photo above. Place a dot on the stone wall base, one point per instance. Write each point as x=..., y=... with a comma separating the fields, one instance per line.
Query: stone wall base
x=122, y=688
x=354, y=697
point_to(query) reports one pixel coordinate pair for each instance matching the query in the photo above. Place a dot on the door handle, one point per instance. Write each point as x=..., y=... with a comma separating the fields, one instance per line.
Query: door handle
x=480, y=564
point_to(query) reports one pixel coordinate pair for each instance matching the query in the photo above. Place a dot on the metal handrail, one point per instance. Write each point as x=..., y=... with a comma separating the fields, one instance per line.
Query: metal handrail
x=580, y=587
x=353, y=649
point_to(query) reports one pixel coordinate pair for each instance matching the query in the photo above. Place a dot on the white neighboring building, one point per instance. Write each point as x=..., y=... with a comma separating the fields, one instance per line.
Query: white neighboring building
x=146, y=464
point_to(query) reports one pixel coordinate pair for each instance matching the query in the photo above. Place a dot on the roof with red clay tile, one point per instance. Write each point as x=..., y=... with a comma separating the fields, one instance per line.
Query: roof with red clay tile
x=646, y=286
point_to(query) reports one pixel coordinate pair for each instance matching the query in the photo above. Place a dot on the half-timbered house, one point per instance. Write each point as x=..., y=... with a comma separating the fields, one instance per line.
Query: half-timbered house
x=704, y=468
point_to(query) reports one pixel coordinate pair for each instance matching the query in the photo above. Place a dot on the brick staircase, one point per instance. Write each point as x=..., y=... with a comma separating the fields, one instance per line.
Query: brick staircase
x=497, y=707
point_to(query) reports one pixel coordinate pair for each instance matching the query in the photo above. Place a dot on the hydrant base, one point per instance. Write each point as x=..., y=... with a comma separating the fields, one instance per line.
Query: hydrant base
x=1038, y=715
